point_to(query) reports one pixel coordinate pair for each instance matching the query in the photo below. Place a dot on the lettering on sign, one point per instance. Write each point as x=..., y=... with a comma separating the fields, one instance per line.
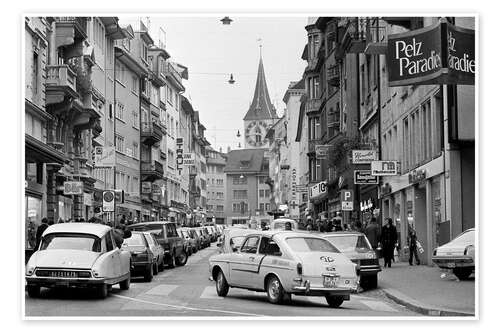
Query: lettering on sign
x=180, y=150
x=363, y=156
x=347, y=199
x=71, y=188
x=188, y=159
x=416, y=176
x=317, y=189
x=384, y=168
x=364, y=177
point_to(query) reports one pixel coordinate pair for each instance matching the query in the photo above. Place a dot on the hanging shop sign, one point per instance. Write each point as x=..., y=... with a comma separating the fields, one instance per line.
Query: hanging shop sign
x=347, y=199
x=416, y=176
x=87, y=199
x=188, y=159
x=438, y=54
x=321, y=152
x=73, y=188
x=156, y=189
x=317, y=189
x=120, y=196
x=364, y=177
x=364, y=156
x=179, y=153
x=384, y=168
x=108, y=201
x=104, y=157
x=146, y=187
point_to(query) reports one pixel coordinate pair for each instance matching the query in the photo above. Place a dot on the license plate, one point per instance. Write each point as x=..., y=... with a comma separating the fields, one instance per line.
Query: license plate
x=330, y=281
x=450, y=265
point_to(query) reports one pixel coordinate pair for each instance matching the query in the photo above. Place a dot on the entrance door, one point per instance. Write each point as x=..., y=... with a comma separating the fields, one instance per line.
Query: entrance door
x=420, y=219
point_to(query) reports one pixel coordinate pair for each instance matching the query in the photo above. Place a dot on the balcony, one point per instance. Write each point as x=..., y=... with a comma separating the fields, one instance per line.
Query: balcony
x=151, y=171
x=79, y=24
x=333, y=75
x=354, y=38
x=61, y=81
x=376, y=38
x=151, y=132
x=313, y=105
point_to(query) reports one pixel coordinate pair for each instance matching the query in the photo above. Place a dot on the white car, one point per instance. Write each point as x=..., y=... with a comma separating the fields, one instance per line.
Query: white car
x=281, y=222
x=283, y=263
x=231, y=239
x=458, y=255
x=83, y=255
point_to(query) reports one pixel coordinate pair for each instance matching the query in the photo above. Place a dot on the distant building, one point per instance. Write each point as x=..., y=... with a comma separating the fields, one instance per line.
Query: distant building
x=216, y=186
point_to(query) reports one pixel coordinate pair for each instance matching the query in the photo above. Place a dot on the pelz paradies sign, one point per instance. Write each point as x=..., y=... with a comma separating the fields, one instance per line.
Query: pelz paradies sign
x=416, y=57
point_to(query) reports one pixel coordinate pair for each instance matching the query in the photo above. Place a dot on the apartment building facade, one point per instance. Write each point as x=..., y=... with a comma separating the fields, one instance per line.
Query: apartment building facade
x=216, y=186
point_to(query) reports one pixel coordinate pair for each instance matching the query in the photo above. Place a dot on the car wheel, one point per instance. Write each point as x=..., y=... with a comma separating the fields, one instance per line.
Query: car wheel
x=161, y=267
x=221, y=284
x=462, y=273
x=125, y=284
x=33, y=291
x=334, y=301
x=102, y=291
x=181, y=260
x=148, y=275
x=155, y=268
x=275, y=292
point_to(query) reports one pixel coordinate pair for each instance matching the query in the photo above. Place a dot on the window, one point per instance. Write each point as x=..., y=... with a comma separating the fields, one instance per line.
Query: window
x=34, y=75
x=268, y=193
x=250, y=245
x=220, y=208
x=135, y=150
x=155, y=96
x=269, y=247
x=262, y=180
x=176, y=101
x=99, y=34
x=119, y=143
x=120, y=73
x=261, y=193
x=240, y=207
x=239, y=181
x=240, y=194
x=144, y=52
x=220, y=195
x=135, y=119
x=135, y=85
x=268, y=207
x=119, y=111
x=220, y=182
x=304, y=244
x=261, y=207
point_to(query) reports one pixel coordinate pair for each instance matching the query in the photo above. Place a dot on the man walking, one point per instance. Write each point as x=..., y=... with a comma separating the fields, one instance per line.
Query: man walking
x=389, y=238
x=372, y=232
x=412, y=244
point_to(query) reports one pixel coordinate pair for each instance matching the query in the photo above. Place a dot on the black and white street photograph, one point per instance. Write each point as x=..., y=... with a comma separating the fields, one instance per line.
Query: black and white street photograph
x=243, y=165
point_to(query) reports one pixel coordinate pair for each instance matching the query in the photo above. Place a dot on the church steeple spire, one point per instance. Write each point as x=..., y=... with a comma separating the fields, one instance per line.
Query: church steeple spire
x=261, y=107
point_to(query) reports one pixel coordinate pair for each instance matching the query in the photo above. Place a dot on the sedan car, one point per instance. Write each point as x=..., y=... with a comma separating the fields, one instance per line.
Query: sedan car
x=188, y=243
x=356, y=247
x=80, y=255
x=458, y=255
x=143, y=259
x=283, y=263
x=158, y=252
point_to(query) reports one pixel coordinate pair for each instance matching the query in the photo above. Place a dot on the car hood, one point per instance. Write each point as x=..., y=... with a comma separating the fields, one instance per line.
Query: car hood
x=318, y=263
x=64, y=259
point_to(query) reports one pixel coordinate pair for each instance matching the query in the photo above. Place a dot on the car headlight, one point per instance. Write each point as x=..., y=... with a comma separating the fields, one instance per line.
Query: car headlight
x=370, y=255
x=30, y=270
x=469, y=251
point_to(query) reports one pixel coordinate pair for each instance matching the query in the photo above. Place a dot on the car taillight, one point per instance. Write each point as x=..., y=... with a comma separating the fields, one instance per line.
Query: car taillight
x=435, y=252
x=299, y=268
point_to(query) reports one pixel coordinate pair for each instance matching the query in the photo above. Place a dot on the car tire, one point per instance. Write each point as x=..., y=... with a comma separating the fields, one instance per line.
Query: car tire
x=462, y=273
x=148, y=275
x=155, y=268
x=181, y=260
x=275, y=291
x=334, y=301
x=33, y=291
x=221, y=284
x=102, y=291
x=161, y=266
x=125, y=284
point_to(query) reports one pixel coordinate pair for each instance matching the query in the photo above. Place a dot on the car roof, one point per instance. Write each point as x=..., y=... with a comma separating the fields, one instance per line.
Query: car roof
x=95, y=229
x=152, y=223
x=341, y=233
x=284, y=219
x=282, y=234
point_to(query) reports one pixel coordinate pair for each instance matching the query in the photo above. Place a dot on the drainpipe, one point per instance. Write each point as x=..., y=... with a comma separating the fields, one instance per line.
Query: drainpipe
x=379, y=110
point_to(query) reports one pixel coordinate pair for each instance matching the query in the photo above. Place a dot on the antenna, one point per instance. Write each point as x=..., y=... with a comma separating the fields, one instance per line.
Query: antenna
x=260, y=46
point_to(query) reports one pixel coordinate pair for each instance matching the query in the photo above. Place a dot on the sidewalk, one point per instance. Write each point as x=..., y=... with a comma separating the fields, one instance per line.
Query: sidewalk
x=422, y=289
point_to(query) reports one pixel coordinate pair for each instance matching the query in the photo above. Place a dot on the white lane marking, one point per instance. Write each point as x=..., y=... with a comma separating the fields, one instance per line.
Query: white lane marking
x=210, y=292
x=317, y=299
x=379, y=306
x=162, y=289
x=180, y=307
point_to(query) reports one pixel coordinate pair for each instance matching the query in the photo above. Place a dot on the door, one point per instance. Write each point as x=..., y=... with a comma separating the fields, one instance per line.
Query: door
x=114, y=256
x=245, y=265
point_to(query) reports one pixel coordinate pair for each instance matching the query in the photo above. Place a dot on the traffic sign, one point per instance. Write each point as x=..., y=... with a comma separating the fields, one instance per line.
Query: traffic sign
x=108, y=201
x=347, y=199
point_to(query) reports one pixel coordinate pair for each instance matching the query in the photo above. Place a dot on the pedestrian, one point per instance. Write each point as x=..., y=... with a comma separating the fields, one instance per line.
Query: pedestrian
x=60, y=220
x=309, y=227
x=39, y=231
x=372, y=232
x=389, y=237
x=412, y=244
x=288, y=226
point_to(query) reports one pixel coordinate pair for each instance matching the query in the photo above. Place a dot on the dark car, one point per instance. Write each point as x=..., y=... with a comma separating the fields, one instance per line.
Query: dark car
x=142, y=257
x=203, y=232
x=167, y=236
x=188, y=242
x=356, y=247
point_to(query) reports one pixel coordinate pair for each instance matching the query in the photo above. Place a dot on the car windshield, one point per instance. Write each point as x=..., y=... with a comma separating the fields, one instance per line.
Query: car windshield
x=135, y=240
x=309, y=244
x=62, y=241
x=350, y=243
x=156, y=229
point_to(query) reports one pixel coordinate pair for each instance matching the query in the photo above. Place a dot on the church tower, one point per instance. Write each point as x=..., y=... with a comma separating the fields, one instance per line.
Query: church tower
x=261, y=115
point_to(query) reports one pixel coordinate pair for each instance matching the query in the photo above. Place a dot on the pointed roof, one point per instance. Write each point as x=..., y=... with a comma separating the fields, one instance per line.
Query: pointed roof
x=261, y=107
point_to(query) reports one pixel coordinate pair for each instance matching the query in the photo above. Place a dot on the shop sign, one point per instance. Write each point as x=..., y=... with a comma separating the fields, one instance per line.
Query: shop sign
x=347, y=199
x=188, y=159
x=416, y=176
x=104, y=157
x=363, y=177
x=317, y=189
x=146, y=187
x=73, y=188
x=321, y=152
x=87, y=199
x=438, y=54
x=364, y=156
x=294, y=183
x=120, y=196
x=384, y=168
x=156, y=189
x=180, y=153
x=108, y=201
x=301, y=188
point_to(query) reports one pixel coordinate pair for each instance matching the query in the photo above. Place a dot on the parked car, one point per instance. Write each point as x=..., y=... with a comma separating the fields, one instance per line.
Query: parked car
x=166, y=234
x=458, y=255
x=205, y=236
x=283, y=263
x=78, y=255
x=143, y=260
x=280, y=224
x=211, y=232
x=187, y=241
x=356, y=247
x=196, y=237
x=231, y=239
x=158, y=252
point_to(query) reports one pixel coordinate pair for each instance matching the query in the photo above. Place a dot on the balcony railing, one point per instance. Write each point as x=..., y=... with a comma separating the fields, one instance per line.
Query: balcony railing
x=151, y=132
x=333, y=75
x=152, y=170
x=80, y=23
x=376, y=37
x=313, y=105
x=61, y=76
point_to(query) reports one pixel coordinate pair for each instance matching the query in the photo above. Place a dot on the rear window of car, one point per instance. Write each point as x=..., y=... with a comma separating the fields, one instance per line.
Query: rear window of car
x=350, y=243
x=71, y=241
x=281, y=225
x=309, y=244
x=466, y=237
x=156, y=229
x=134, y=240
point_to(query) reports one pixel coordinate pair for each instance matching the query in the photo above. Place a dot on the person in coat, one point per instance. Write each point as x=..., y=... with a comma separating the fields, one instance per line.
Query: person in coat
x=39, y=231
x=372, y=232
x=389, y=238
x=412, y=245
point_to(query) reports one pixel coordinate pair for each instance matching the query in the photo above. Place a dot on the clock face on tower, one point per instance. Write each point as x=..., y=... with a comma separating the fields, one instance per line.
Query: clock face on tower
x=255, y=133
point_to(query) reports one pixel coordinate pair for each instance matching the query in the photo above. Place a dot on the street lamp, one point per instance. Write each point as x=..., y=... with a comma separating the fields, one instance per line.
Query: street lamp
x=231, y=79
x=238, y=134
x=226, y=20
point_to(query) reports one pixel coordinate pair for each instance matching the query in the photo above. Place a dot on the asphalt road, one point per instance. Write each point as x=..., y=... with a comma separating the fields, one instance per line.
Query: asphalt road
x=186, y=291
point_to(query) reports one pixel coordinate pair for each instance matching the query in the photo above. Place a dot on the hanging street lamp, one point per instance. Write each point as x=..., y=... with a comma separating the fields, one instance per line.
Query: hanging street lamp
x=226, y=20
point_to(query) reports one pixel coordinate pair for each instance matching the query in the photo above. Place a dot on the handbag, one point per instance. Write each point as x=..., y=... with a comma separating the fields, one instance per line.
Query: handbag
x=420, y=248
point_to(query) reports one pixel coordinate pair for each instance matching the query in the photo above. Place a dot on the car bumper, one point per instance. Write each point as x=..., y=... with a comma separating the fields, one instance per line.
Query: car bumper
x=306, y=288
x=64, y=282
x=453, y=262
x=369, y=270
x=139, y=266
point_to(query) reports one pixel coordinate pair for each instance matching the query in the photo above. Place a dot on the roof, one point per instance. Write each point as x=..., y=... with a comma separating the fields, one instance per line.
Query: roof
x=78, y=227
x=245, y=161
x=151, y=223
x=341, y=233
x=261, y=107
x=279, y=233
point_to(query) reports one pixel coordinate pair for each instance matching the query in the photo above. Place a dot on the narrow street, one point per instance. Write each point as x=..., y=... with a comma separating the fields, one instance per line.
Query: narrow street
x=186, y=291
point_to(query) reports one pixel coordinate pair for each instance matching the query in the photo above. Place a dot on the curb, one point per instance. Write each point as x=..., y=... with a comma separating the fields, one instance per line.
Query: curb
x=422, y=308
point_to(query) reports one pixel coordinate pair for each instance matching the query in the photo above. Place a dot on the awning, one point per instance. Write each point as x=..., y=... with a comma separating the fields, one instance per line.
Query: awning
x=37, y=151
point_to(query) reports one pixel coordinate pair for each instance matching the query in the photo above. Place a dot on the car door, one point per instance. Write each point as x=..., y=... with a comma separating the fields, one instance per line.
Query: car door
x=243, y=269
x=151, y=245
x=114, y=255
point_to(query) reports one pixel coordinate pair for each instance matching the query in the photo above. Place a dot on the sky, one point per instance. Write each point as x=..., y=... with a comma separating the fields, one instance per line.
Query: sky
x=212, y=51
